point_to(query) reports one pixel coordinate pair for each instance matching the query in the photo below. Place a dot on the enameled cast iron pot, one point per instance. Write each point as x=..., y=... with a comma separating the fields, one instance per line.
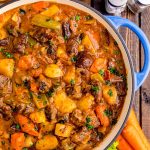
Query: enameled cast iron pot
x=134, y=79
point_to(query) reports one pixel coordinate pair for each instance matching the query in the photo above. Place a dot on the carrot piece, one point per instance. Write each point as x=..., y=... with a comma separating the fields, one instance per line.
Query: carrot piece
x=33, y=87
x=17, y=141
x=101, y=115
x=25, y=62
x=26, y=125
x=132, y=120
x=123, y=144
x=40, y=5
x=133, y=138
x=99, y=63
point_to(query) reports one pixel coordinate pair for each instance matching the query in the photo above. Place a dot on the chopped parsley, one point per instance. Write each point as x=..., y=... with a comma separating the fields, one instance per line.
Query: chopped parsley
x=108, y=112
x=101, y=72
x=107, y=82
x=95, y=89
x=87, y=124
x=25, y=148
x=114, y=71
x=74, y=59
x=3, y=142
x=89, y=17
x=77, y=17
x=6, y=54
x=22, y=12
x=17, y=126
x=110, y=93
x=50, y=93
x=72, y=82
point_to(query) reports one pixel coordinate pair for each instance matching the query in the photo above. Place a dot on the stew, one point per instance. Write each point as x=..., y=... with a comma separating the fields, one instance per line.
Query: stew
x=62, y=79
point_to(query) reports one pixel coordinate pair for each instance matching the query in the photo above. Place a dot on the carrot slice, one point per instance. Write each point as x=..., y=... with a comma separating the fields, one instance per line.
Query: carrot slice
x=101, y=115
x=17, y=141
x=132, y=120
x=123, y=144
x=40, y=6
x=133, y=138
x=26, y=125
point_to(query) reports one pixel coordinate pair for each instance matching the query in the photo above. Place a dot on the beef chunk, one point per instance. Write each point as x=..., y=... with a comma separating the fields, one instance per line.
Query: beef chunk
x=5, y=110
x=72, y=45
x=4, y=42
x=3, y=81
x=66, y=30
x=51, y=112
x=84, y=60
x=20, y=43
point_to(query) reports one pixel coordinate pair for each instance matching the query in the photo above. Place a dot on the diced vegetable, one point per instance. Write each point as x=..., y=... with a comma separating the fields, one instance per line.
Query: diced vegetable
x=132, y=120
x=97, y=77
x=40, y=101
x=123, y=144
x=63, y=130
x=61, y=52
x=40, y=6
x=132, y=136
x=92, y=21
x=44, y=21
x=15, y=17
x=85, y=102
x=47, y=127
x=87, y=43
x=53, y=71
x=17, y=141
x=110, y=94
x=114, y=146
x=98, y=64
x=26, y=125
x=47, y=142
x=7, y=67
x=31, y=41
x=63, y=103
x=70, y=74
x=67, y=144
x=3, y=33
x=38, y=116
x=50, y=11
x=29, y=141
x=104, y=120
x=25, y=62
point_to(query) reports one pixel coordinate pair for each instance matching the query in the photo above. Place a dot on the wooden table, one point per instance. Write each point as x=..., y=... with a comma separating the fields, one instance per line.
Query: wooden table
x=142, y=96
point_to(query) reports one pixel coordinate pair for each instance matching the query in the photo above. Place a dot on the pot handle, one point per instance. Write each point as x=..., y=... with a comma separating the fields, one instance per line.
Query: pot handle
x=139, y=76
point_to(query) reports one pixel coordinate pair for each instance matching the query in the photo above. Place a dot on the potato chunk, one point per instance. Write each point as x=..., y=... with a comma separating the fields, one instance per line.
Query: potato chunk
x=50, y=11
x=7, y=67
x=63, y=103
x=63, y=130
x=47, y=142
x=38, y=116
x=53, y=71
x=85, y=102
x=110, y=94
x=70, y=74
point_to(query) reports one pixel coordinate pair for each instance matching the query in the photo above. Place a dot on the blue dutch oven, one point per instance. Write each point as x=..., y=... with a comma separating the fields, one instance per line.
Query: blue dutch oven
x=134, y=79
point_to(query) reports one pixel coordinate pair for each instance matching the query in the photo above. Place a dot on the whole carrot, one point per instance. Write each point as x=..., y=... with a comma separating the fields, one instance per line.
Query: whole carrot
x=123, y=144
x=132, y=120
x=133, y=138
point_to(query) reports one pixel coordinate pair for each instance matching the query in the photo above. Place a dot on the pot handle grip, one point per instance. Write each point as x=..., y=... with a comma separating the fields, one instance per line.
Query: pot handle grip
x=139, y=76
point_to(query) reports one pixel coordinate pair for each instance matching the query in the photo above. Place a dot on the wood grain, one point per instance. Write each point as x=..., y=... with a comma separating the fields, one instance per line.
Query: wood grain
x=145, y=90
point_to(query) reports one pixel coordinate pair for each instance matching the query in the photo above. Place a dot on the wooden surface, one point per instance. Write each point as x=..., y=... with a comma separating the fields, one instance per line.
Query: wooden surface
x=142, y=96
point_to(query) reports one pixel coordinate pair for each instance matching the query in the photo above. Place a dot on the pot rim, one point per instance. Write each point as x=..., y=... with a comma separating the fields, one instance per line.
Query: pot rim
x=125, y=48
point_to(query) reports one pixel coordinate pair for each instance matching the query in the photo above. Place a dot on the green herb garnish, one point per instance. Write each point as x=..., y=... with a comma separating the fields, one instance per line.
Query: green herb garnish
x=77, y=17
x=95, y=89
x=17, y=126
x=6, y=54
x=114, y=71
x=108, y=112
x=74, y=59
x=87, y=124
x=101, y=72
x=72, y=82
x=110, y=93
x=50, y=93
